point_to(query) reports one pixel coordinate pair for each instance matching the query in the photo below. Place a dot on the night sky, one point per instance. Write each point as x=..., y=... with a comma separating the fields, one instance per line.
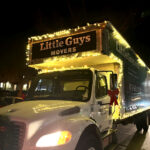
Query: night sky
x=22, y=20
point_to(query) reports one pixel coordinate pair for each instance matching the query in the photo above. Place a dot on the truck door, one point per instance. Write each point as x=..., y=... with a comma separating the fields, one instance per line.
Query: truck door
x=102, y=112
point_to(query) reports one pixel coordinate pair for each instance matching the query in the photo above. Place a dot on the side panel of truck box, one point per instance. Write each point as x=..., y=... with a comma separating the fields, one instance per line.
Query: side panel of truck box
x=134, y=75
x=134, y=79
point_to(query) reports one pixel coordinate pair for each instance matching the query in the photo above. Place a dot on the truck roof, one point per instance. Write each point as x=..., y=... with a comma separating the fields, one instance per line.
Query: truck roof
x=83, y=46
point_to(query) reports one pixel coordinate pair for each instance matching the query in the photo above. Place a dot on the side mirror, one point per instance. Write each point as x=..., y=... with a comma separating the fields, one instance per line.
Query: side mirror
x=113, y=81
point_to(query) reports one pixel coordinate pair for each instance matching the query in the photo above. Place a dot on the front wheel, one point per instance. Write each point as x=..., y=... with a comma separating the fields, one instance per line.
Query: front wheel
x=89, y=142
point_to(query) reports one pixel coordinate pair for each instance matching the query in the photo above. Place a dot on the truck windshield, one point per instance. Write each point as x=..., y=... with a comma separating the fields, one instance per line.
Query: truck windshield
x=63, y=85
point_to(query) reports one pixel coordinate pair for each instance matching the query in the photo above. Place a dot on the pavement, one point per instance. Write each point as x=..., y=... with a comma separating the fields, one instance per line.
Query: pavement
x=129, y=139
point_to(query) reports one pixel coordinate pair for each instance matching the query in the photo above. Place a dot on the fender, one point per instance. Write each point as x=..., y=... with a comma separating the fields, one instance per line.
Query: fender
x=81, y=125
x=76, y=124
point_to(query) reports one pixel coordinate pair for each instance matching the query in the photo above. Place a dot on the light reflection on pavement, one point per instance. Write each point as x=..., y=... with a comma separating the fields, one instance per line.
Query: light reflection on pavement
x=129, y=139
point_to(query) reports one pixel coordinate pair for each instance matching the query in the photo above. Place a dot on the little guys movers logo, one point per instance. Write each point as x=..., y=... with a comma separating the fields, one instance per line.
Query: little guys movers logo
x=66, y=45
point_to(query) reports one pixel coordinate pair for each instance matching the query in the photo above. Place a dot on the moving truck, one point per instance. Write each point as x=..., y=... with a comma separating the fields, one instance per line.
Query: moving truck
x=89, y=81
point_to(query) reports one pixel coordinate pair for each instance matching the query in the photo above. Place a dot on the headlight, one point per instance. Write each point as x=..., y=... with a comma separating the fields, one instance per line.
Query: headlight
x=54, y=139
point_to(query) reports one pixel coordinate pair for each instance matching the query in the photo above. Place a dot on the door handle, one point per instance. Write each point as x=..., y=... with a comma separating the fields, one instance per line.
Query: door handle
x=103, y=112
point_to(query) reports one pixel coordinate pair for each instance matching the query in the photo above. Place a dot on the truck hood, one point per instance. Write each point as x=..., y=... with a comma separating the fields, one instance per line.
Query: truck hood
x=34, y=110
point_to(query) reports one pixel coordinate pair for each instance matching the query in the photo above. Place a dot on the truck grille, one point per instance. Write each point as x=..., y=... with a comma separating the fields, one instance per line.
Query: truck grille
x=11, y=135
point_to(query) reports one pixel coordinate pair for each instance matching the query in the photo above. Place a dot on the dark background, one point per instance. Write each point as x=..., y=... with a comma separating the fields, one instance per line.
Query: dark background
x=25, y=19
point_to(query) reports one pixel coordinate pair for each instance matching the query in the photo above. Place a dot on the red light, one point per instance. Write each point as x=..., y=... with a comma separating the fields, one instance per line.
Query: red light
x=2, y=129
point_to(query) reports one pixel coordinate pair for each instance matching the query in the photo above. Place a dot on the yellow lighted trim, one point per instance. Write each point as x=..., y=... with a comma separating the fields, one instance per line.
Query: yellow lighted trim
x=149, y=71
x=88, y=24
x=62, y=69
x=74, y=56
x=28, y=46
x=27, y=59
x=140, y=61
x=50, y=61
x=85, y=66
x=116, y=112
x=63, y=32
x=119, y=38
x=116, y=109
x=53, y=60
x=59, y=33
x=66, y=32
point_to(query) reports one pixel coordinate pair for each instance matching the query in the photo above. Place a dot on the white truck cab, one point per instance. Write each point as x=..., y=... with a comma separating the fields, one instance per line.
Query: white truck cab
x=62, y=108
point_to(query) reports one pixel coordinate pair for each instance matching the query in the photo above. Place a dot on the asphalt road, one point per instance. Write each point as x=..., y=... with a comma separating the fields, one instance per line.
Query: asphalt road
x=129, y=139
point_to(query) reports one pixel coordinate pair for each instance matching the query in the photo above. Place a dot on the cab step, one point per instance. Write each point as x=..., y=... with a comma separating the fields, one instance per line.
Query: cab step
x=109, y=138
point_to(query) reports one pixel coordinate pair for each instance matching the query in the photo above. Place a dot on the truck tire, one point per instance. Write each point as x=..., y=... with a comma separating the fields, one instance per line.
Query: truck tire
x=89, y=142
x=139, y=126
x=145, y=123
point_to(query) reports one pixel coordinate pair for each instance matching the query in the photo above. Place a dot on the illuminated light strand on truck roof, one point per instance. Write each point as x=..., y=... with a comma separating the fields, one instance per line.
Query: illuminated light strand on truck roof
x=140, y=61
x=119, y=38
x=67, y=31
